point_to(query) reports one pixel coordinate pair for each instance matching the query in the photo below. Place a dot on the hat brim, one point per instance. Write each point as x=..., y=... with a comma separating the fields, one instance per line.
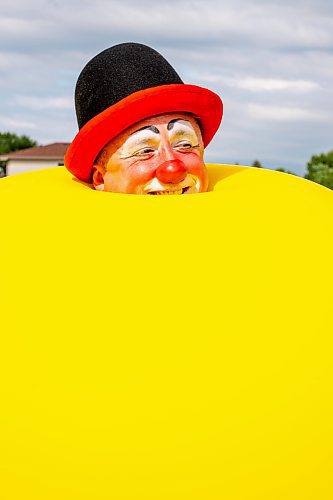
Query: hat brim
x=204, y=104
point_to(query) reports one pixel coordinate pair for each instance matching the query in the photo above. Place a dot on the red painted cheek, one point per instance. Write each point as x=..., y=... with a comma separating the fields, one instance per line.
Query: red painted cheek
x=195, y=166
x=140, y=173
x=143, y=171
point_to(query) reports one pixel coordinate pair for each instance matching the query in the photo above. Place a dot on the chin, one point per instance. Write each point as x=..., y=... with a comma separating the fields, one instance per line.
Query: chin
x=190, y=185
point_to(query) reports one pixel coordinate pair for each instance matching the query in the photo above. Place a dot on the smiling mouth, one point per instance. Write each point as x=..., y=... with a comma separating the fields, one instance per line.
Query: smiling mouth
x=190, y=185
x=172, y=191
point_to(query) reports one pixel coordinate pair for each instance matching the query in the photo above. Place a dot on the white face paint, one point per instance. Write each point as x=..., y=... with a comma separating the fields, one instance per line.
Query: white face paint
x=144, y=142
x=182, y=133
x=181, y=136
x=160, y=155
x=138, y=142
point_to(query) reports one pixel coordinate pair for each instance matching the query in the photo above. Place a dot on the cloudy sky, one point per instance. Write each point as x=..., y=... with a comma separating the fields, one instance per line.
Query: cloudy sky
x=270, y=61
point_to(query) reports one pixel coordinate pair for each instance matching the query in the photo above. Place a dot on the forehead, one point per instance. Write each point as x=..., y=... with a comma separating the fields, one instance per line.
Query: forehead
x=157, y=120
x=162, y=120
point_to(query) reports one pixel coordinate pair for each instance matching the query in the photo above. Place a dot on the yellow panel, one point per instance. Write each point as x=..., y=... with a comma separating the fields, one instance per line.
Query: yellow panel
x=158, y=348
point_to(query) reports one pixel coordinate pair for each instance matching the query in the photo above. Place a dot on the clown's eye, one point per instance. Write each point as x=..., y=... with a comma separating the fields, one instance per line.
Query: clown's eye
x=145, y=151
x=185, y=145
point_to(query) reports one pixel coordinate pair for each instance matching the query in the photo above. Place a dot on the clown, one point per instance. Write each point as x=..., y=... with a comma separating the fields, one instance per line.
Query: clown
x=142, y=130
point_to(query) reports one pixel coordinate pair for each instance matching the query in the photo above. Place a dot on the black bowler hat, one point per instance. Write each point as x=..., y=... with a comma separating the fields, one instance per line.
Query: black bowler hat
x=123, y=85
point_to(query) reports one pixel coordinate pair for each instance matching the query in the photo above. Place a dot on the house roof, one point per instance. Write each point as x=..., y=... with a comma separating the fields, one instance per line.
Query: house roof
x=55, y=151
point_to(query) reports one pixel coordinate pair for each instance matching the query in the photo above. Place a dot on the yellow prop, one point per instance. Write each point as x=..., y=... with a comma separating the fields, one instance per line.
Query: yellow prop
x=166, y=347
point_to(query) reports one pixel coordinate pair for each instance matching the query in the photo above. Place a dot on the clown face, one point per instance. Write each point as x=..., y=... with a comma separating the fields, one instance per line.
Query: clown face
x=157, y=156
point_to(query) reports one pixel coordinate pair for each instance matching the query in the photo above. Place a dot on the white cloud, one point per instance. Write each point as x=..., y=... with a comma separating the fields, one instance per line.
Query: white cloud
x=255, y=84
x=270, y=62
x=282, y=113
x=273, y=84
x=44, y=103
x=256, y=23
x=9, y=122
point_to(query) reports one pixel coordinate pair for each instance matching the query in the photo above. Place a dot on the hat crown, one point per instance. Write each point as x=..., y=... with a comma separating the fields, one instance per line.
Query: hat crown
x=116, y=73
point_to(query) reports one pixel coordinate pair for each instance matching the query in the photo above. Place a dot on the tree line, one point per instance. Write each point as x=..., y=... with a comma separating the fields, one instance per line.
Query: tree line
x=319, y=168
x=11, y=142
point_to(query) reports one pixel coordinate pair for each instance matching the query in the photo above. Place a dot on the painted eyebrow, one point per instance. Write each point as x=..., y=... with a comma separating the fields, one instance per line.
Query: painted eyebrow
x=171, y=124
x=147, y=127
x=154, y=129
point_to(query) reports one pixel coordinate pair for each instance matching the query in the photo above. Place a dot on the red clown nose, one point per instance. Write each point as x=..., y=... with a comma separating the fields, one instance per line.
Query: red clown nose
x=171, y=172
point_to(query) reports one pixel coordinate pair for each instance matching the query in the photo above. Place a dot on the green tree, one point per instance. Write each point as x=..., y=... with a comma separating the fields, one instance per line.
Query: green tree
x=11, y=142
x=285, y=171
x=256, y=164
x=320, y=169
